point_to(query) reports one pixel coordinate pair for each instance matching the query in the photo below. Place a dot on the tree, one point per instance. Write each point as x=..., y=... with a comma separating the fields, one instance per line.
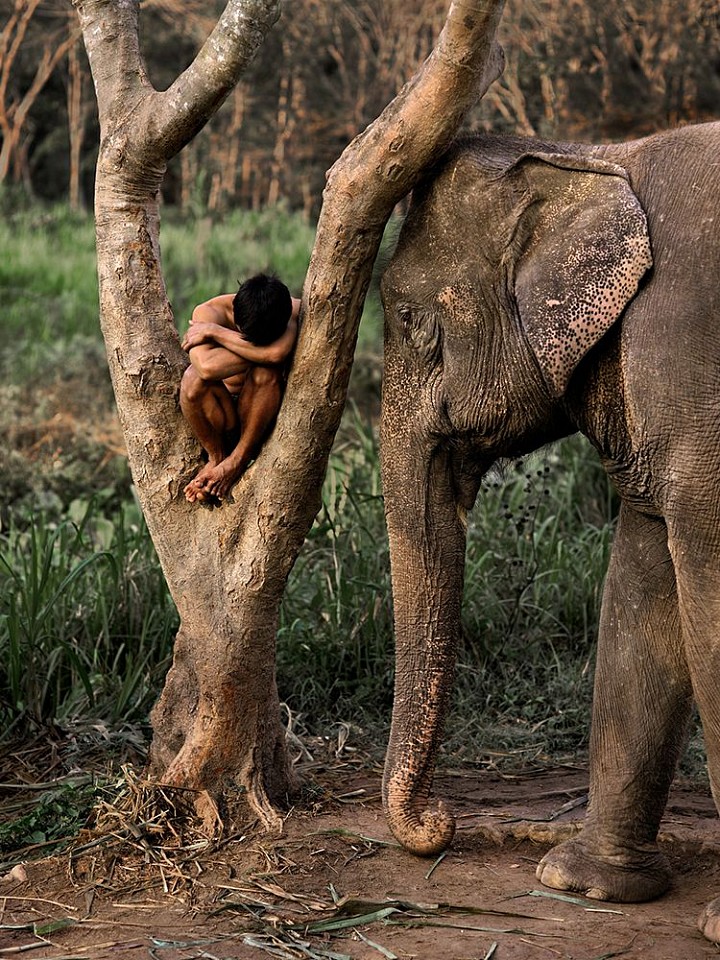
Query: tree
x=218, y=718
x=15, y=105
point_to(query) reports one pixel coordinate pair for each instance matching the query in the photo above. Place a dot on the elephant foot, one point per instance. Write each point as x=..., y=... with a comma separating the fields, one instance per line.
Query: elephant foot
x=624, y=876
x=709, y=921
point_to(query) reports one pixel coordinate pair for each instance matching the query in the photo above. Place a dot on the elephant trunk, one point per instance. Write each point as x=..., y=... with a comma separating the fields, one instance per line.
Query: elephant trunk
x=427, y=550
x=421, y=829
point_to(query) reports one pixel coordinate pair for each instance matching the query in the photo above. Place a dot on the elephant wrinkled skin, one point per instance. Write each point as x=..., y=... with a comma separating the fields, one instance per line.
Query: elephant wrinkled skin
x=538, y=290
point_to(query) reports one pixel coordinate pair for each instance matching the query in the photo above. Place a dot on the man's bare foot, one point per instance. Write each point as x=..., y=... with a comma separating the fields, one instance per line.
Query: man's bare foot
x=195, y=490
x=214, y=482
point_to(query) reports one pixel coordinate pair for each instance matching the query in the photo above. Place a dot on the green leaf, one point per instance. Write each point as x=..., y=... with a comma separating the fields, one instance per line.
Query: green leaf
x=327, y=926
x=52, y=926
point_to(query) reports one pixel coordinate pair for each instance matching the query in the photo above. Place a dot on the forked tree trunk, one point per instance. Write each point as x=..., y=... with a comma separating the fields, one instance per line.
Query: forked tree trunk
x=218, y=721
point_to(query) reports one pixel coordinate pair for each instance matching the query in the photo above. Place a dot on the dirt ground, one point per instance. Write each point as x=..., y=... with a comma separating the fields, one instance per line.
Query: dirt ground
x=254, y=896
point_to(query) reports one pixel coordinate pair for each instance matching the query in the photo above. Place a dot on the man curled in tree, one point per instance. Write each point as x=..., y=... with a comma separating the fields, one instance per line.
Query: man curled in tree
x=239, y=345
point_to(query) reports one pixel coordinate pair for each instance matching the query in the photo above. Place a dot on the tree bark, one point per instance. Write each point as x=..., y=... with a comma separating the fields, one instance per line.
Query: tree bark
x=217, y=722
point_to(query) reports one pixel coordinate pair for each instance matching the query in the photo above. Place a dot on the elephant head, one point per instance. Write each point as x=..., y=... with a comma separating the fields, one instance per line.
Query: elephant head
x=511, y=266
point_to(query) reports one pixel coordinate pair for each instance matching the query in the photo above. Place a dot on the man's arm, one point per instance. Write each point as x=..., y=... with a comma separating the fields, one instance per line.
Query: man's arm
x=211, y=334
x=211, y=361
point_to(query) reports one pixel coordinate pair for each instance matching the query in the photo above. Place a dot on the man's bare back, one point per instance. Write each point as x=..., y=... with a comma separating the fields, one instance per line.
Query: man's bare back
x=232, y=390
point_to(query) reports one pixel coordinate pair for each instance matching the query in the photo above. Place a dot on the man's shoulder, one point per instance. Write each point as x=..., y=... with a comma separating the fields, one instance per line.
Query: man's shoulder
x=223, y=302
x=217, y=310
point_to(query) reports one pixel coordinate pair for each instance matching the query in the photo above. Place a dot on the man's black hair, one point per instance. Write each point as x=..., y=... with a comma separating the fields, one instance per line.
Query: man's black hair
x=262, y=308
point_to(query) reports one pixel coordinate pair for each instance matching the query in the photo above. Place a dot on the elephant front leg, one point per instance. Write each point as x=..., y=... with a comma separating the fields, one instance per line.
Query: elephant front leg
x=641, y=707
x=427, y=548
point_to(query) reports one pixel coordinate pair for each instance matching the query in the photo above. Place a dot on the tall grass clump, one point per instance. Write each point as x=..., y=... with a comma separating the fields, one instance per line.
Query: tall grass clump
x=538, y=547
x=86, y=622
x=334, y=643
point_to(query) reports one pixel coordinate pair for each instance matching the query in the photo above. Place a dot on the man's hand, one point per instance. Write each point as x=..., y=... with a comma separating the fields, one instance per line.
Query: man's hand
x=199, y=333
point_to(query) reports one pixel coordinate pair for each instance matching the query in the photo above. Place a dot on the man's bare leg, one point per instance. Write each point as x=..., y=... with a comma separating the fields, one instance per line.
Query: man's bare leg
x=210, y=411
x=258, y=406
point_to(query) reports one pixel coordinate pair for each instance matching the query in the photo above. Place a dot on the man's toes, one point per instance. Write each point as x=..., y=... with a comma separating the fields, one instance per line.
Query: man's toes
x=222, y=489
x=195, y=491
x=210, y=484
x=215, y=486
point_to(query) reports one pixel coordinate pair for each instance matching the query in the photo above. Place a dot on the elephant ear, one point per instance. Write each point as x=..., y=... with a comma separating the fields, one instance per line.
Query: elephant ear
x=584, y=247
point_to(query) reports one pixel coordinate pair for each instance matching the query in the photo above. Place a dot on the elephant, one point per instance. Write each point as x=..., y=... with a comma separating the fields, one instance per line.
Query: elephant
x=539, y=289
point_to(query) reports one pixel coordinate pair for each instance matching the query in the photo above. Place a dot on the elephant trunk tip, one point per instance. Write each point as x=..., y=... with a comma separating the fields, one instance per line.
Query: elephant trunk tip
x=426, y=833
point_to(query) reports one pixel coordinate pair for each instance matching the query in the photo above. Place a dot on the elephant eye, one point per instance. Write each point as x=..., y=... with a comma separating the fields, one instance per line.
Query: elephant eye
x=404, y=313
x=421, y=330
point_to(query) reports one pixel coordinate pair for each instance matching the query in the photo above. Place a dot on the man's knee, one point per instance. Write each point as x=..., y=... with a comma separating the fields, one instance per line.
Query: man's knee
x=192, y=386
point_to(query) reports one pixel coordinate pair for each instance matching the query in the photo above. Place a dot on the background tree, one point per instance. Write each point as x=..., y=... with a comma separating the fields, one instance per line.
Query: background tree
x=218, y=717
x=588, y=69
x=16, y=103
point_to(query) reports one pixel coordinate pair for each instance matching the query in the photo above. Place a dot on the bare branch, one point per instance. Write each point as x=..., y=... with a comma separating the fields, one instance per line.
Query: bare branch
x=203, y=87
x=14, y=114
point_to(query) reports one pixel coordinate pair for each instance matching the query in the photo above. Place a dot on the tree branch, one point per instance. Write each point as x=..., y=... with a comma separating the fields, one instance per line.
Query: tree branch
x=374, y=172
x=202, y=88
x=110, y=32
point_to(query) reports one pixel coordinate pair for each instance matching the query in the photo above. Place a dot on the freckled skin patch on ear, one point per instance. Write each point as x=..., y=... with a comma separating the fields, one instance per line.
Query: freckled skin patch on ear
x=447, y=297
x=587, y=254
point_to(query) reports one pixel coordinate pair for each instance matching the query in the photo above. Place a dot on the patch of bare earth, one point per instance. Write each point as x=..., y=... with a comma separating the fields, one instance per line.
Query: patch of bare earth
x=145, y=881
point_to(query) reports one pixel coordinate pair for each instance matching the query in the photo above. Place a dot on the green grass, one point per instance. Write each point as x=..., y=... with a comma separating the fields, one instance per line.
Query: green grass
x=539, y=543
x=334, y=642
x=86, y=623
x=48, y=280
x=48, y=284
